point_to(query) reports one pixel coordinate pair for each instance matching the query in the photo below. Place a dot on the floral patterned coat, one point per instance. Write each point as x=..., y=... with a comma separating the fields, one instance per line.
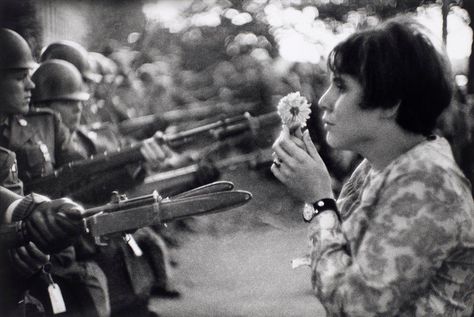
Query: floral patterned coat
x=405, y=246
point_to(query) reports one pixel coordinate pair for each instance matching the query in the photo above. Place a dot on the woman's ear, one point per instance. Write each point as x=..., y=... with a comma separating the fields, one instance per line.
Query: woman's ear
x=390, y=113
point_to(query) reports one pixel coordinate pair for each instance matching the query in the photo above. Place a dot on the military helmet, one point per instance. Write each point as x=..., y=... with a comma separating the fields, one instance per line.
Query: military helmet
x=72, y=52
x=57, y=80
x=14, y=51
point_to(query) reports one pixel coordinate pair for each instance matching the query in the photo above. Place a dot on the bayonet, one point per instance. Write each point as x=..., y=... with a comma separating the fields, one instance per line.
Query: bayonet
x=157, y=211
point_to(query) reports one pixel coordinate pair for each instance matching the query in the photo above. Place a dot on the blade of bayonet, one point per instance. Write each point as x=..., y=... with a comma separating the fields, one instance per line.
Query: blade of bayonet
x=203, y=204
x=215, y=187
x=164, y=211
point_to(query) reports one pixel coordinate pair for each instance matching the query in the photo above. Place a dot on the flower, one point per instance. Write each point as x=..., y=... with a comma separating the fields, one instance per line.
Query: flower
x=294, y=110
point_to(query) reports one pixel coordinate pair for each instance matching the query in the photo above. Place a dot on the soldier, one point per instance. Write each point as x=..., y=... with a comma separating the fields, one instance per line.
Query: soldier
x=40, y=143
x=58, y=86
x=105, y=90
x=73, y=52
x=37, y=138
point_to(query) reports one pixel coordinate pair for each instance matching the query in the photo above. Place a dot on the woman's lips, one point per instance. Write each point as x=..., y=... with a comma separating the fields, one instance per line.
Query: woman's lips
x=328, y=125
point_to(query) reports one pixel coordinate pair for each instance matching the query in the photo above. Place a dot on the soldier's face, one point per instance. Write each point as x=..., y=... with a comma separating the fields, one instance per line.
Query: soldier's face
x=15, y=91
x=70, y=112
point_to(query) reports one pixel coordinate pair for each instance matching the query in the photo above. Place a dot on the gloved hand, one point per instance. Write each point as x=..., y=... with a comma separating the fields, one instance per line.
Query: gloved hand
x=28, y=260
x=54, y=225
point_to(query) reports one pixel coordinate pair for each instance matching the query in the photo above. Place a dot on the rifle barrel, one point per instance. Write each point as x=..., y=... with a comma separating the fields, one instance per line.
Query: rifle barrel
x=125, y=204
x=162, y=120
x=61, y=180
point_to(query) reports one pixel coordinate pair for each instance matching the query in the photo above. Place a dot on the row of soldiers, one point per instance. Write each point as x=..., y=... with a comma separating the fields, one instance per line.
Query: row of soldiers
x=41, y=129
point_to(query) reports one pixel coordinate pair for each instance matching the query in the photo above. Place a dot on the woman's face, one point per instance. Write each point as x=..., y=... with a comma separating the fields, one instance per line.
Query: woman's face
x=347, y=126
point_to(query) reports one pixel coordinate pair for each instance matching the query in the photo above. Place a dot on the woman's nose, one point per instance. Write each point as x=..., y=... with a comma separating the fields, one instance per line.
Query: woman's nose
x=325, y=101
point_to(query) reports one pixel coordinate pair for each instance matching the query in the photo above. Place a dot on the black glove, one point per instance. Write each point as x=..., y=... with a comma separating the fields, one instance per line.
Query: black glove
x=54, y=225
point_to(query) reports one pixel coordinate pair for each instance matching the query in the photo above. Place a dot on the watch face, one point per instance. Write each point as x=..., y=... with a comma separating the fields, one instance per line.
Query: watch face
x=308, y=212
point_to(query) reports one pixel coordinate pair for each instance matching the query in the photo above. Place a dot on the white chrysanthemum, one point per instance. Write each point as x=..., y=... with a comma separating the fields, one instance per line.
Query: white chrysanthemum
x=294, y=110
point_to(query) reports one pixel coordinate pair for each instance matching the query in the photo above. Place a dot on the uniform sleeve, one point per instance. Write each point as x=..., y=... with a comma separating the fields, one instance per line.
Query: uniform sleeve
x=7, y=197
x=409, y=232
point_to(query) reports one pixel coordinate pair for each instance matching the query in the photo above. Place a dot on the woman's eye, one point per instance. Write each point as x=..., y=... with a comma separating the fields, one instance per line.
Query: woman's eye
x=339, y=85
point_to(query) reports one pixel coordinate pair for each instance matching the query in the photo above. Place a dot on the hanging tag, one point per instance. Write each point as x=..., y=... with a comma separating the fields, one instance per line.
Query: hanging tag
x=133, y=245
x=55, y=295
x=56, y=298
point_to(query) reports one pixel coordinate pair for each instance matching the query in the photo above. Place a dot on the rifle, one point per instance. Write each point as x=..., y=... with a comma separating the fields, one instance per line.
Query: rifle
x=124, y=214
x=59, y=183
x=186, y=177
x=146, y=126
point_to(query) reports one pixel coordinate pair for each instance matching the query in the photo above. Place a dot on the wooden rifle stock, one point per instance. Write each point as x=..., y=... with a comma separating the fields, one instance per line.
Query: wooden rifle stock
x=60, y=181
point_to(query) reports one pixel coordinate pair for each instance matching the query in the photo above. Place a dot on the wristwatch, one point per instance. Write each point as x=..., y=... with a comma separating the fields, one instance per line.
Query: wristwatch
x=312, y=210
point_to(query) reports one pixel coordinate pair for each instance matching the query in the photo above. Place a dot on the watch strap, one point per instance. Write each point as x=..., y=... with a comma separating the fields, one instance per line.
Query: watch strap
x=323, y=205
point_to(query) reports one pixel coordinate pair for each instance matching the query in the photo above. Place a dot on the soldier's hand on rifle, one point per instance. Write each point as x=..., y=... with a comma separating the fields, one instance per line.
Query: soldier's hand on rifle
x=176, y=160
x=28, y=260
x=153, y=151
x=53, y=225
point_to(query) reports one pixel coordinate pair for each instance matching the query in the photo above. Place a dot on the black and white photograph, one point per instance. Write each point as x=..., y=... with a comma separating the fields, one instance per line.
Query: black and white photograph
x=236, y=158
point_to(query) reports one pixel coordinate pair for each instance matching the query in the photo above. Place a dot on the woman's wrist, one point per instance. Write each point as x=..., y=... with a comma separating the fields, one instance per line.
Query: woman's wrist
x=319, y=196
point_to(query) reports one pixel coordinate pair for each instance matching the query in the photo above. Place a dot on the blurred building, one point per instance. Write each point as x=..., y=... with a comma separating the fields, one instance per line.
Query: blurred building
x=63, y=20
x=92, y=23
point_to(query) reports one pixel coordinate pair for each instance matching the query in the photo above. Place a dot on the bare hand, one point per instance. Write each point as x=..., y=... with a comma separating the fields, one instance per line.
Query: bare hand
x=302, y=171
x=153, y=151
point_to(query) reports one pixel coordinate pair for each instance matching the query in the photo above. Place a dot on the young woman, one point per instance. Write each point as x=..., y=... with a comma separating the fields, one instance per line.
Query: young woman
x=400, y=240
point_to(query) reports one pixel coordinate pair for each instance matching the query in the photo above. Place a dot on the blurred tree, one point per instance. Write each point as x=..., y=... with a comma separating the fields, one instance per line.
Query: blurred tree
x=114, y=20
x=468, y=5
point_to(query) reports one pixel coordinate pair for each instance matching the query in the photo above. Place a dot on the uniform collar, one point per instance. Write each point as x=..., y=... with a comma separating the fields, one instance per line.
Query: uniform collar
x=20, y=129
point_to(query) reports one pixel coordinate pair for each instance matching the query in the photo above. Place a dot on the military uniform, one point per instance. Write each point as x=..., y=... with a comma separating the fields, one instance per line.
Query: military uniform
x=97, y=188
x=40, y=141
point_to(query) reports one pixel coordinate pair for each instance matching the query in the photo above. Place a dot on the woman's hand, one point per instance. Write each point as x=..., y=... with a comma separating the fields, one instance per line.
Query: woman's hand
x=302, y=171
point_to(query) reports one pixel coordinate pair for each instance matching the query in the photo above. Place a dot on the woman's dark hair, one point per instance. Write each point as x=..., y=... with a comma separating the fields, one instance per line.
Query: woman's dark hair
x=396, y=63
